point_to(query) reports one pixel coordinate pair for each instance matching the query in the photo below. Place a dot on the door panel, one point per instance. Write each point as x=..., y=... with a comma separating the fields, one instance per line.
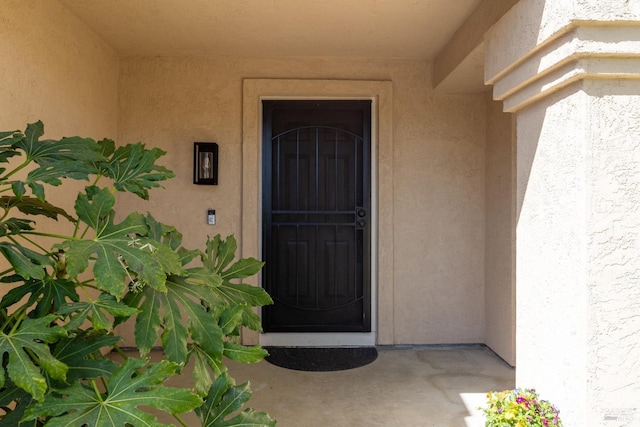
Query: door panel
x=316, y=201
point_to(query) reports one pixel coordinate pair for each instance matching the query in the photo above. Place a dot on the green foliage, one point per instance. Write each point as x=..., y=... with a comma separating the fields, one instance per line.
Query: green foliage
x=29, y=354
x=224, y=399
x=136, y=383
x=64, y=294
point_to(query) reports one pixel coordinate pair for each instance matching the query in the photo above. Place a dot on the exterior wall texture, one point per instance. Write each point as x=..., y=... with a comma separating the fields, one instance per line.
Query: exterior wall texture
x=55, y=70
x=572, y=81
x=438, y=163
x=613, y=255
x=550, y=254
x=500, y=292
x=59, y=72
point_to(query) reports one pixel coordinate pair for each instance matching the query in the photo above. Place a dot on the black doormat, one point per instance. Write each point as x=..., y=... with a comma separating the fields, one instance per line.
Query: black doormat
x=321, y=358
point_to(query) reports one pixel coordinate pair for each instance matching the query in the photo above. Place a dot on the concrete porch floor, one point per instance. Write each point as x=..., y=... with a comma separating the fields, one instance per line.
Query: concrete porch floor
x=421, y=386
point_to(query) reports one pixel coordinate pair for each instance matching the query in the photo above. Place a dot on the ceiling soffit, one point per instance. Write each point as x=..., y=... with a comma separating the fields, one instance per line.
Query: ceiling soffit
x=414, y=29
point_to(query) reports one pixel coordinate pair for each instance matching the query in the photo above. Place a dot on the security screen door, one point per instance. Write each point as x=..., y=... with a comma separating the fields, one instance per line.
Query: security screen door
x=316, y=215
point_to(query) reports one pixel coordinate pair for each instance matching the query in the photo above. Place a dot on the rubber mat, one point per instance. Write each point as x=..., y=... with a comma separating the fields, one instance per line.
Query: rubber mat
x=321, y=358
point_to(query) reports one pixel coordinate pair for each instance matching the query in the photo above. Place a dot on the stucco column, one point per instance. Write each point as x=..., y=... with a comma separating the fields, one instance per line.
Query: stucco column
x=570, y=72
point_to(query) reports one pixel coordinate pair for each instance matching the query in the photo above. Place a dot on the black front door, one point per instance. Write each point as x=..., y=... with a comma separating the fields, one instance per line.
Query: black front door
x=316, y=215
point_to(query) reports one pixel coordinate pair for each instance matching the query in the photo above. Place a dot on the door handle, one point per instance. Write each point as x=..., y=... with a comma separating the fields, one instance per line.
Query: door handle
x=362, y=223
x=362, y=213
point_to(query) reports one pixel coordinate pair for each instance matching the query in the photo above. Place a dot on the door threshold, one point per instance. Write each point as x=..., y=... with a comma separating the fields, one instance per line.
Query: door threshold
x=318, y=339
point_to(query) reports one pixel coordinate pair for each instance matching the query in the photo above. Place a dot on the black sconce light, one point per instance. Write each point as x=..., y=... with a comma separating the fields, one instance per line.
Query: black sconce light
x=205, y=163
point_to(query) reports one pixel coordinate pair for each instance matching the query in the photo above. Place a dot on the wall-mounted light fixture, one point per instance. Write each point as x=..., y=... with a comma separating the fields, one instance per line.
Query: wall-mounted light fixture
x=205, y=163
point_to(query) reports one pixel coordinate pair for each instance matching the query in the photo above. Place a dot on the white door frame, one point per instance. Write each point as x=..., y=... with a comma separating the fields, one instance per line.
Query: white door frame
x=256, y=90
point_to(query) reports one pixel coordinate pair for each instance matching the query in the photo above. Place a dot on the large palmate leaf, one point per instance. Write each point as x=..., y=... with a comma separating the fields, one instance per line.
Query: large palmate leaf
x=116, y=247
x=208, y=361
x=219, y=253
x=66, y=158
x=247, y=297
x=126, y=389
x=51, y=174
x=238, y=293
x=244, y=354
x=15, y=226
x=49, y=293
x=72, y=148
x=13, y=413
x=27, y=263
x=81, y=354
x=8, y=140
x=223, y=400
x=33, y=206
x=205, y=366
x=181, y=316
x=97, y=312
x=218, y=258
x=30, y=338
x=203, y=276
x=171, y=237
x=200, y=309
x=132, y=168
x=53, y=371
x=95, y=208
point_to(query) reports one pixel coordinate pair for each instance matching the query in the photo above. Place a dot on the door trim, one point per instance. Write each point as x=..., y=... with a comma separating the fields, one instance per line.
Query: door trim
x=380, y=93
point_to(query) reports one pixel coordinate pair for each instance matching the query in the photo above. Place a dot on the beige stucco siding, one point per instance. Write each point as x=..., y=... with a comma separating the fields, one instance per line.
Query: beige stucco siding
x=438, y=159
x=499, y=275
x=55, y=70
x=572, y=82
x=60, y=72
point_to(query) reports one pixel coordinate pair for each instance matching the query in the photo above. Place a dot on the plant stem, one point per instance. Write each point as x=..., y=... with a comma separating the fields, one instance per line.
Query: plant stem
x=180, y=420
x=86, y=294
x=22, y=311
x=98, y=177
x=6, y=212
x=7, y=271
x=33, y=243
x=120, y=352
x=52, y=235
x=87, y=284
x=84, y=232
x=17, y=169
x=96, y=390
x=7, y=320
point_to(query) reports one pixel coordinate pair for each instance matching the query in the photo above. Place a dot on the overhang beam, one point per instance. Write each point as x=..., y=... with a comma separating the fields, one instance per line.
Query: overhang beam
x=468, y=37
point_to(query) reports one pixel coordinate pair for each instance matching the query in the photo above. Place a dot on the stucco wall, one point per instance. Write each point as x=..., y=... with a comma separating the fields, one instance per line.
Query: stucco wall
x=613, y=251
x=438, y=163
x=58, y=71
x=578, y=253
x=55, y=70
x=534, y=22
x=551, y=262
x=576, y=98
x=499, y=275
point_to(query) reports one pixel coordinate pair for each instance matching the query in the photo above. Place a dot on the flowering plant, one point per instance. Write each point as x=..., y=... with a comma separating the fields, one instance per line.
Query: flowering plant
x=519, y=408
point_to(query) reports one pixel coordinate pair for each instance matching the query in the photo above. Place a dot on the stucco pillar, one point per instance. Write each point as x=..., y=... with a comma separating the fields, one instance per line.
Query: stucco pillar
x=570, y=72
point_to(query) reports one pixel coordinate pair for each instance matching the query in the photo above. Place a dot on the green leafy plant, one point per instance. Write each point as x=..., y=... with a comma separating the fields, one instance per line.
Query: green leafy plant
x=64, y=295
x=519, y=408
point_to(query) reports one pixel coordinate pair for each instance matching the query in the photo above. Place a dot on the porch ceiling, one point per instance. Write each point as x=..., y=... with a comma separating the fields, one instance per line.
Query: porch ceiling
x=416, y=29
